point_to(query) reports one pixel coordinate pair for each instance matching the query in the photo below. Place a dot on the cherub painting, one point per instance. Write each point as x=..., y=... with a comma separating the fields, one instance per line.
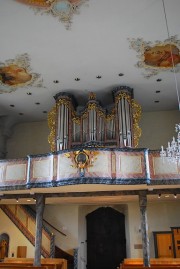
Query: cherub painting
x=157, y=56
x=162, y=56
x=14, y=75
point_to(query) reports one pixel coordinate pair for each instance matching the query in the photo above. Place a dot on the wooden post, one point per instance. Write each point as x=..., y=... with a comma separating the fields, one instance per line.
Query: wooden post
x=144, y=227
x=40, y=203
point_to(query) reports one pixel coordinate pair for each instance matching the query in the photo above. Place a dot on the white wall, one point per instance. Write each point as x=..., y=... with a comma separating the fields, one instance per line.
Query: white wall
x=161, y=216
x=28, y=138
x=65, y=219
x=16, y=238
x=158, y=128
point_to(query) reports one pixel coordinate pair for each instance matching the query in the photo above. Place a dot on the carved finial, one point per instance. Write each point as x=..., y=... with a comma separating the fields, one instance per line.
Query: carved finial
x=92, y=96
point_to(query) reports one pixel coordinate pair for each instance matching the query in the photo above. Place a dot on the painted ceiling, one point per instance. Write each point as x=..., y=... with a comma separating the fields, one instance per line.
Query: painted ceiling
x=82, y=46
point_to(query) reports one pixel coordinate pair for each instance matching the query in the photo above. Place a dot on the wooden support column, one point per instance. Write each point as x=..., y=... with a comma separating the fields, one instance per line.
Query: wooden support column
x=40, y=203
x=144, y=227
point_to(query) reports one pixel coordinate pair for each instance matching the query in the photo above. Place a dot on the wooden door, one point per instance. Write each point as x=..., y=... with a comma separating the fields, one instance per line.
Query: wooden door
x=164, y=245
x=106, y=244
x=176, y=234
x=21, y=251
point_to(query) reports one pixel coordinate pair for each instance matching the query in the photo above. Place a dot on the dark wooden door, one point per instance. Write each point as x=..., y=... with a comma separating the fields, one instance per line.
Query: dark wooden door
x=106, y=243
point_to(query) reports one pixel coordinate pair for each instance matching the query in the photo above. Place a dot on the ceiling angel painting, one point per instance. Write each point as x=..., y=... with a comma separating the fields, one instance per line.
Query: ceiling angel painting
x=16, y=73
x=63, y=9
x=157, y=56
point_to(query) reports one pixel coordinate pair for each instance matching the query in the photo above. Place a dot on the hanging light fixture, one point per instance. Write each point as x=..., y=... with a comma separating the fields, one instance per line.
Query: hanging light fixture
x=172, y=152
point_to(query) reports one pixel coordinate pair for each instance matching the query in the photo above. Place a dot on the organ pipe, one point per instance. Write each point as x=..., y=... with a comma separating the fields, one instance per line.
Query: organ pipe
x=93, y=125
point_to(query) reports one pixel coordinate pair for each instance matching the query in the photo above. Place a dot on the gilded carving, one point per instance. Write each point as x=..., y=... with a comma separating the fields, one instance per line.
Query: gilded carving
x=52, y=126
x=111, y=116
x=82, y=159
x=121, y=96
x=63, y=101
x=136, y=114
x=92, y=96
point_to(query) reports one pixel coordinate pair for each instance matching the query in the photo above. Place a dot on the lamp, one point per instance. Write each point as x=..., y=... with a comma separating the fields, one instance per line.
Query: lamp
x=172, y=152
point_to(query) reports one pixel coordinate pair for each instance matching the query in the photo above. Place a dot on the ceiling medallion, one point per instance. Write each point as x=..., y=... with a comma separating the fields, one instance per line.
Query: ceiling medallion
x=16, y=73
x=63, y=9
x=158, y=56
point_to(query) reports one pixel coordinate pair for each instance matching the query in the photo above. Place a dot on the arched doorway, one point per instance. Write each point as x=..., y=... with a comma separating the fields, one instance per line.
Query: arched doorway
x=4, y=245
x=106, y=243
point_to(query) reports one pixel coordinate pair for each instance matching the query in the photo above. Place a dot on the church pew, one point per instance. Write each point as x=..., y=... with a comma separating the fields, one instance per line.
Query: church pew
x=23, y=265
x=20, y=266
x=152, y=265
x=52, y=263
x=160, y=263
x=153, y=261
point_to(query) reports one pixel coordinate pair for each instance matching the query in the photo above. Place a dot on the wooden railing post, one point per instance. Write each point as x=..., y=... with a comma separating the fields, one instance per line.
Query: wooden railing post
x=40, y=203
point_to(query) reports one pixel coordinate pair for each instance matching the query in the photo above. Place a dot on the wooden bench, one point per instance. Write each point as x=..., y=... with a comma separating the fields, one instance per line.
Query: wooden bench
x=22, y=265
x=18, y=266
x=51, y=263
x=162, y=263
x=162, y=266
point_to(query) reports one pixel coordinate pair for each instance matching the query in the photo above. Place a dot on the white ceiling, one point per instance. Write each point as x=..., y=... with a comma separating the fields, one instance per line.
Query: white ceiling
x=96, y=44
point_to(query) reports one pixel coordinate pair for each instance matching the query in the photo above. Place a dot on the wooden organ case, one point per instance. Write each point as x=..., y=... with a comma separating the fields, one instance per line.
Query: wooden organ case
x=95, y=126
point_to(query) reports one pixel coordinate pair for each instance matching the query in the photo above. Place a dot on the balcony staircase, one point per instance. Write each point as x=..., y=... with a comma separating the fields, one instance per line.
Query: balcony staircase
x=24, y=217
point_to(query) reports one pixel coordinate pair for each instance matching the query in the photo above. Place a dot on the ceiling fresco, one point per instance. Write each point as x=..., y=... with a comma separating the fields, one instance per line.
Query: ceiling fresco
x=83, y=46
x=16, y=73
x=157, y=56
x=63, y=9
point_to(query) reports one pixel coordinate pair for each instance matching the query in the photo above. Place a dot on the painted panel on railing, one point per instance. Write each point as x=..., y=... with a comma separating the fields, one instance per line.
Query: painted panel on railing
x=130, y=165
x=65, y=167
x=101, y=165
x=41, y=169
x=13, y=172
x=161, y=168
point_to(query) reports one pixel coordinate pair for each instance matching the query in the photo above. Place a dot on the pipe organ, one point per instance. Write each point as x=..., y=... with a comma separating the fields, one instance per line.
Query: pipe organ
x=94, y=125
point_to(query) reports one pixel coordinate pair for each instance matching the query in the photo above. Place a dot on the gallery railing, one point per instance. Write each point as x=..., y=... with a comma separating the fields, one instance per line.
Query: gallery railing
x=88, y=166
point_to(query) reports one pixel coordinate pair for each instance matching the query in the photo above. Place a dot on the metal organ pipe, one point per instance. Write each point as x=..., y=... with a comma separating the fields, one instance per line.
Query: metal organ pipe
x=124, y=118
x=65, y=135
x=120, y=126
x=94, y=124
x=94, y=129
x=90, y=125
x=124, y=131
x=128, y=123
x=62, y=127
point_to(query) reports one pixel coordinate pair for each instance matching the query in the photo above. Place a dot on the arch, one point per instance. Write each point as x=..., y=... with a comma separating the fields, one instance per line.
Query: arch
x=4, y=245
x=106, y=243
